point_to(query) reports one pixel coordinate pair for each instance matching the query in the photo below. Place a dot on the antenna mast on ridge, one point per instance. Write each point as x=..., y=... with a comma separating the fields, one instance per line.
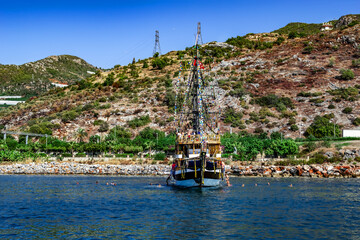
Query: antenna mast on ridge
x=198, y=35
x=157, y=43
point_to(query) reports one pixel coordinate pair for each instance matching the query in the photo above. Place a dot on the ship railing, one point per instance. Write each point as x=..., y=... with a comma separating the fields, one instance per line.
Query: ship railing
x=197, y=138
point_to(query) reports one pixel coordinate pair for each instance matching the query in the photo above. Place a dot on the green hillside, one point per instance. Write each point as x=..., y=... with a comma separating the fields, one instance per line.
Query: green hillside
x=298, y=27
x=35, y=77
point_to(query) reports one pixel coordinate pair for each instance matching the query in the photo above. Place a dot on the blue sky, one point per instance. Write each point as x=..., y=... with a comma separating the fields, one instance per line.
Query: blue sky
x=106, y=33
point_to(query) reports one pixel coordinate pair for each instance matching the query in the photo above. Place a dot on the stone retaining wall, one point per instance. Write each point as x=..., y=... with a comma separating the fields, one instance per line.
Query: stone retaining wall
x=324, y=170
x=76, y=168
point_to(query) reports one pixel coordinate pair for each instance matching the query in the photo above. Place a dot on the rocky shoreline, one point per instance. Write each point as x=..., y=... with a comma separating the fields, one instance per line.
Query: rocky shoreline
x=314, y=170
x=69, y=168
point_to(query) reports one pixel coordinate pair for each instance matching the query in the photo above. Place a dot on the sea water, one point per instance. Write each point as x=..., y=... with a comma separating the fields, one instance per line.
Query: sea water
x=104, y=207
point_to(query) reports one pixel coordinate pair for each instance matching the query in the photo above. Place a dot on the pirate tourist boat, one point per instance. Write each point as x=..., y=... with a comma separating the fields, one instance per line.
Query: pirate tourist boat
x=198, y=151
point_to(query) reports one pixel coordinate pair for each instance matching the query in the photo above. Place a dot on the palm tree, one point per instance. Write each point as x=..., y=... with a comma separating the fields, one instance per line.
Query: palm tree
x=80, y=134
x=148, y=145
x=72, y=146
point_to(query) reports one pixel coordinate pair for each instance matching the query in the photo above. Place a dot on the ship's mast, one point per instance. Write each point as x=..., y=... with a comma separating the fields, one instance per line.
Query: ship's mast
x=196, y=96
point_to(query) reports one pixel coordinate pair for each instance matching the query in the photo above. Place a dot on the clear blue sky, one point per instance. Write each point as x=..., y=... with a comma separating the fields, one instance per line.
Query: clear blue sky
x=106, y=33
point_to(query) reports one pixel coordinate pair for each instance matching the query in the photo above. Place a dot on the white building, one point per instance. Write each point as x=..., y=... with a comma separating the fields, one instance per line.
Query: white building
x=351, y=132
x=61, y=85
x=327, y=26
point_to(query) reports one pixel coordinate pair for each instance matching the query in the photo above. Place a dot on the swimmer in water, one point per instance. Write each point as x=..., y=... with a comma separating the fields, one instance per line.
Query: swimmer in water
x=243, y=185
x=290, y=185
x=268, y=183
x=255, y=184
x=227, y=180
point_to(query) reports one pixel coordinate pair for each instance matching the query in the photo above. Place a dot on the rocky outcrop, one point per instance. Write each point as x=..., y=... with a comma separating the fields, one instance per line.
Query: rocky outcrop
x=219, y=44
x=345, y=20
x=324, y=170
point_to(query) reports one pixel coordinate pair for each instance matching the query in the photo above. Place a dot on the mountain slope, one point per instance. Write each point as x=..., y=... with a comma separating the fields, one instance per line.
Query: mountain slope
x=35, y=78
x=263, y=82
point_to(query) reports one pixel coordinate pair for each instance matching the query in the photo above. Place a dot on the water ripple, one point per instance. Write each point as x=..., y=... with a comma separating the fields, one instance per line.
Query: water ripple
x=76, y=207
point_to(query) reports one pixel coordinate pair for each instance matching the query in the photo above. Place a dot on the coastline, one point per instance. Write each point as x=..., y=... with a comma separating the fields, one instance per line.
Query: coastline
x=251, y=170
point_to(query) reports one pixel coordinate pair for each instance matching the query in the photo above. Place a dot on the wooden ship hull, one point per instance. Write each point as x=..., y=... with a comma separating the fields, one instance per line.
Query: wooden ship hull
x=195, y=167
x=187, y=178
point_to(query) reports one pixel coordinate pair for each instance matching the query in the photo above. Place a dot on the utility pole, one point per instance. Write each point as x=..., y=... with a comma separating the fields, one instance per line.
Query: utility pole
x=157, y=43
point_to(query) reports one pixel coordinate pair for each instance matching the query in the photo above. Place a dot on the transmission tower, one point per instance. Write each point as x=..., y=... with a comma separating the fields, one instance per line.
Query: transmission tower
x=198, y=35
x=157, y=43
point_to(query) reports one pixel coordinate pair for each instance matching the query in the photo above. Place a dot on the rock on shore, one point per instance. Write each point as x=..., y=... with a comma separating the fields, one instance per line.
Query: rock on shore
x=324, y=170
x=76, y=168
x=316, y=170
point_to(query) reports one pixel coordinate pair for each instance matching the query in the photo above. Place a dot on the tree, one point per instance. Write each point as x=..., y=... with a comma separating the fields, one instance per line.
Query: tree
x=282, y=148
x=322, y=127
x=94, y=139
x=81, y=134
x=276, y=135
x=148, y=144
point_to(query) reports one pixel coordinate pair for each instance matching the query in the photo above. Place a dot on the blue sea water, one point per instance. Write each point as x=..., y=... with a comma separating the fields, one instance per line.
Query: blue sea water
x=76, y=207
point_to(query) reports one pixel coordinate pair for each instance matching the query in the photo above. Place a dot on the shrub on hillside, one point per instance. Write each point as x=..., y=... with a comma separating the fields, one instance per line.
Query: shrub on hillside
x=160, y=156
x=69, y=116
x=243, y=42
x=356, y=122
x=271, y=100
x=355, y=63
x=158, y=63
x=293, y=35
x=109, y=80
x=98, y=122
x=347, y=110
x=346, y=74
x=294, y=127
x=308, y=49
x=104, y=127
x=279, y=40
x=138, y=122
x=233, y=117
x=331, y=106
